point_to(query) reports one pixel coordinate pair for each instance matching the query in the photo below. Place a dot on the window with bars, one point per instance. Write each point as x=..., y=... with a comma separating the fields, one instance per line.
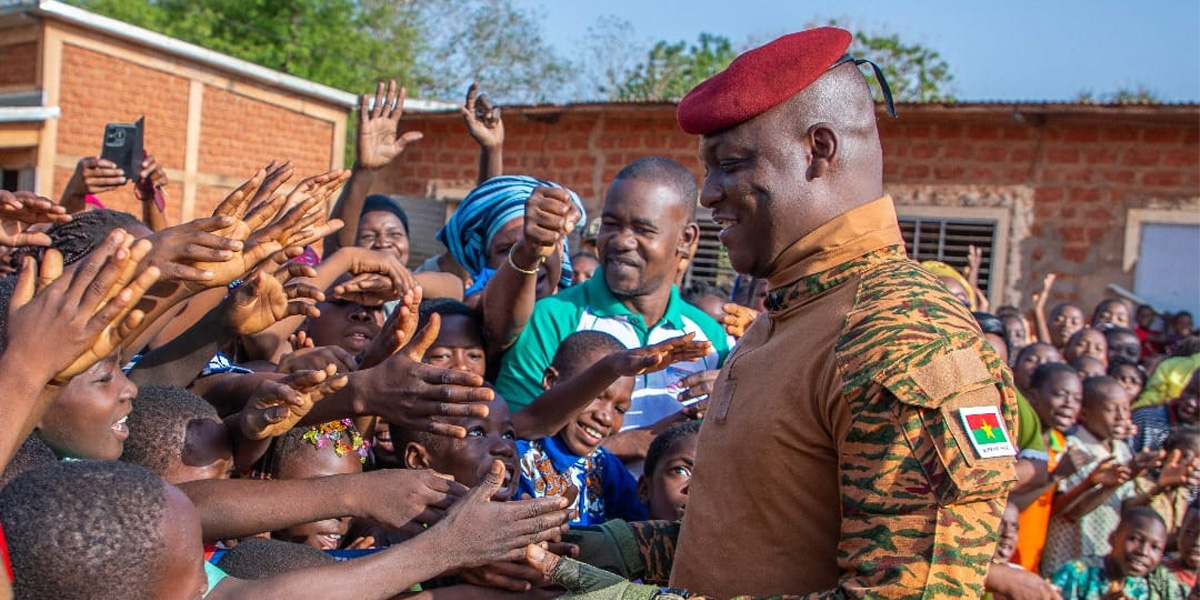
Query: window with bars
x=949, y=241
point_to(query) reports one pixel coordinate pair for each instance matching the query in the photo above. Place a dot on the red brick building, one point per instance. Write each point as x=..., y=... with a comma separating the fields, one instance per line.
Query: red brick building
x=1081, y=190
x=211, y=120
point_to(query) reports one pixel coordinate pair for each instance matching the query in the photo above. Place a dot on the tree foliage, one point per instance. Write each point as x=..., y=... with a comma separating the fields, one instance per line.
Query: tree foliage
x=671, y=70
x=914, y=73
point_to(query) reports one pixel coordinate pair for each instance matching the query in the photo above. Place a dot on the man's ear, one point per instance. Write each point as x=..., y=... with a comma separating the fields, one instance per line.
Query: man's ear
x=689, y=240
x=549, y=378
x=416, y=456
x=822, y=144
x=643, y=489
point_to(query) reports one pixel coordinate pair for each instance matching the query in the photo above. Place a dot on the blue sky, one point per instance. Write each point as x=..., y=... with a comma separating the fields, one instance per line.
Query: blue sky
x=1011, y=50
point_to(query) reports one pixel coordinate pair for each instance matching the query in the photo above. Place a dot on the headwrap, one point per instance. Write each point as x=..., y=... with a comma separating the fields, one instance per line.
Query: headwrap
x=486, y=210
x=381, y=203
x=942, y=269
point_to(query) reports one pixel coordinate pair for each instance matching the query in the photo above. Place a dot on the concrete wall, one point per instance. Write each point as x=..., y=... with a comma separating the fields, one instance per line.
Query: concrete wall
x=1063, y=178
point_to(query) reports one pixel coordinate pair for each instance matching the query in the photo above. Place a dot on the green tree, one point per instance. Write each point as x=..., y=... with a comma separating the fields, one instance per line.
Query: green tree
x=914, y=73
x=671, y=70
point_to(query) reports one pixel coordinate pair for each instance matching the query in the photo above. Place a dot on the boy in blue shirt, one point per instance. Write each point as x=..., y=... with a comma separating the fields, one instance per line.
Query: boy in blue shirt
x=573, y=457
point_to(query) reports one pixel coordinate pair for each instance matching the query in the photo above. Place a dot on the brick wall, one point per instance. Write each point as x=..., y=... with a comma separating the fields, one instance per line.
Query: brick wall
x=1084, y=167
x=18, y=63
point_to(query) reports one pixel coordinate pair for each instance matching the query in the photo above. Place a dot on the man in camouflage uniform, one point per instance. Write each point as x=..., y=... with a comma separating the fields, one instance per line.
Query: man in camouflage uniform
x=860, y=440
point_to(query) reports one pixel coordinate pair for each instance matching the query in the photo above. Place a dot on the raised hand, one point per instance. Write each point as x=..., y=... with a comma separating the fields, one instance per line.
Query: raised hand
x=697, y=385
x=378, y=277
x=1146, y=460
x=269, y=295
x=276, y=406
x=482, y=119
x=737, y=319
x=481, y=531
x=300, y=341
x=183, y=252
x=299, y=218
x=550, y=215
x=95, y=175
x=307, y=359
x=19, y=210
x=405, y=499
x=1179, y=470
x=1072, y=460
x=151, y=180
x=648, y=359
x=396, y=332
x=974, y=259
x=379, y=137
x=1109, y=474
x=411, y=394
x=72, y=321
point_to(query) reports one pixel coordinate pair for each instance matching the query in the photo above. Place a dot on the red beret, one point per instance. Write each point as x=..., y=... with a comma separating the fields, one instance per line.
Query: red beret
x=761, y=79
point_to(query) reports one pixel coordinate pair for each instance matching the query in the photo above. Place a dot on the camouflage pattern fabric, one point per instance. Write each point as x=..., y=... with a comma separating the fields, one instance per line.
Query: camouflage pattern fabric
x=920, y=506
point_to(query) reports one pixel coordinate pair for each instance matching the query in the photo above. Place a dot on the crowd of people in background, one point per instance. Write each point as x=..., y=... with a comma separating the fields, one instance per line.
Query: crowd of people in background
x=273, y=400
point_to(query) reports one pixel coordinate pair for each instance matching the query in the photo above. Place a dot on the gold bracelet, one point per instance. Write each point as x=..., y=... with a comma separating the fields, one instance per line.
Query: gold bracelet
x=533, y=271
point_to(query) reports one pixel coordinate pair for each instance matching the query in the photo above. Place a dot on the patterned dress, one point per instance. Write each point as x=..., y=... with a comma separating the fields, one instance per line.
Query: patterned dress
x=607, y=490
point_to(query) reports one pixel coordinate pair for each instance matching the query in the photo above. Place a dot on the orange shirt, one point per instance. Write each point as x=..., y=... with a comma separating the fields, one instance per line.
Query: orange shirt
x=1035, y=519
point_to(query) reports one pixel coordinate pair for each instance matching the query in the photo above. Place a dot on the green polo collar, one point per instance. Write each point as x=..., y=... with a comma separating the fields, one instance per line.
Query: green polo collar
x=602, y=303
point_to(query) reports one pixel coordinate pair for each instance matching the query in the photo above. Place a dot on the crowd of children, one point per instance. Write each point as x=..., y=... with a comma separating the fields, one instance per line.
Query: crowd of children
x=217, y=408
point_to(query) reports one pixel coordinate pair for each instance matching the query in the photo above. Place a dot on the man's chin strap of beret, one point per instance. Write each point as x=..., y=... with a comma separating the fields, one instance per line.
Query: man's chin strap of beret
x=883, y=84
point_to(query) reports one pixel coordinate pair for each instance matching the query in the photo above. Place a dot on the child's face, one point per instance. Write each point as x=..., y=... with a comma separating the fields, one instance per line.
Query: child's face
x=665, y=490
x=1006, y=538
x=582, y=269
x=1088, y=342
x=207, y=453
x=602, y=418
x=1182, y=324
x=1137, y=546
x=1057, y=401
x=1088, y=366
x=1130, y=378
x=88, y=417
x=347, y=324
x=1114, y=313
x=1033, y=357
x=458, y=346
x=1106, y=415
x=1124, y=346
x=713, y=306
x=956, y=289
x=1189, y=535
x=468, y=460
x=1064, y=322
x=1017, y=332
x=310, y=462
x=1187, y=405
x=1145, y=317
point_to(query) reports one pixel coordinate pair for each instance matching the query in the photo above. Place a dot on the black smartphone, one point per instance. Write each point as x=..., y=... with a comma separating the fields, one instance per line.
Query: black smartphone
x=123, y=146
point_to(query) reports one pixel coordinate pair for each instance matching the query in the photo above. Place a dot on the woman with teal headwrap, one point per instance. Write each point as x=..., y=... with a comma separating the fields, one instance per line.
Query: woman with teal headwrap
x=490, y=220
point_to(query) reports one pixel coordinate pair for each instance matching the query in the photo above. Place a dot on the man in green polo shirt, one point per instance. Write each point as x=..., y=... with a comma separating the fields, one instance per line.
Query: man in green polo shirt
x=647, y=225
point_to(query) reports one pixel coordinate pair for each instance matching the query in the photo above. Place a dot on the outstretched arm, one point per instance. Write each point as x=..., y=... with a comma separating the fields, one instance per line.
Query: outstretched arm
x=487, y=129
x=379, y=143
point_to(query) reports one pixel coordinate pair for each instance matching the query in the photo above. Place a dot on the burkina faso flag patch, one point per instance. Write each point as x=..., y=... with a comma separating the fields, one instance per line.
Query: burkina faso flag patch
x=985, y=429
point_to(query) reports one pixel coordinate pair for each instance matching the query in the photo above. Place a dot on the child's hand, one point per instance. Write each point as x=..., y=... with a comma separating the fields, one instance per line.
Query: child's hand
x=1146, y=460
x=698, y=385
x=1072, y=460
x=737, y=318
x=648, y=359
x=1179, y=470
x=378, y=278
x=1109, y=474
x=277, y=406
x=19, y=210
x=269, y=295
x=313, y=359
x=54, y=318
x=400, y=327
x=477, y=531
x=482, y=119
x=365, y=542
x=300, y=341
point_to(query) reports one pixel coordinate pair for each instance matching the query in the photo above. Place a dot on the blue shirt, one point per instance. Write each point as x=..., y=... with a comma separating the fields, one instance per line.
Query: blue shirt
x=607, y=490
